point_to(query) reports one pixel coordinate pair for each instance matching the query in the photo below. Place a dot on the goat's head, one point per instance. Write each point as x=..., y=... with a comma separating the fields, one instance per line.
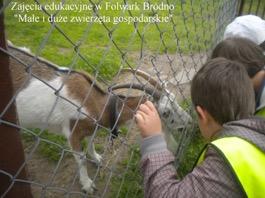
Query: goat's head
x=170, y=111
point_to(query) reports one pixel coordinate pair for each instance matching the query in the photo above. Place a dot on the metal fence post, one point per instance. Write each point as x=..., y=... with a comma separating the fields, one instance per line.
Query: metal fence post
x=11, y=149
x=241, y=7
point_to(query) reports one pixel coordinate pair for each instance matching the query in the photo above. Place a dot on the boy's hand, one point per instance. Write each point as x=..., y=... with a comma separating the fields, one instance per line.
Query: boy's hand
x=148, y=120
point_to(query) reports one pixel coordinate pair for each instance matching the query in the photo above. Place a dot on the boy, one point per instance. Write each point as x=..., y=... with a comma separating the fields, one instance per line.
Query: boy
x=251, y=56
x=223, y=97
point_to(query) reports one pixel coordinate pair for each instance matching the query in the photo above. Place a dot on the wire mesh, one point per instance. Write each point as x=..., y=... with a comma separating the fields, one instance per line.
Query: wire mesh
x=256, y=7
x=57, y=105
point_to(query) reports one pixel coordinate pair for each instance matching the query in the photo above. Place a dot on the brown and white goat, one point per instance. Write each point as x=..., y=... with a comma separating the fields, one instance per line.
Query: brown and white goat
x=174, y=118
x=70, y=102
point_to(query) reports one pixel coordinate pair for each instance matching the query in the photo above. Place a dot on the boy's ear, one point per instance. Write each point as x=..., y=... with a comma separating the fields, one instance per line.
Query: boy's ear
x=258, y=79
x=202, y=113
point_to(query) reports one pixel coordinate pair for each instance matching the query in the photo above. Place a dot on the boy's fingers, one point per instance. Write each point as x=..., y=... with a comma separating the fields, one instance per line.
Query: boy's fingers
x=142, y=114
x=139, y=117
x=150, y=105
x=145, y=109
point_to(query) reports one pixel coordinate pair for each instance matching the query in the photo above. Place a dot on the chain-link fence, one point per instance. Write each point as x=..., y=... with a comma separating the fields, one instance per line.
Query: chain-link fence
x=256, y=7
x=67, y=60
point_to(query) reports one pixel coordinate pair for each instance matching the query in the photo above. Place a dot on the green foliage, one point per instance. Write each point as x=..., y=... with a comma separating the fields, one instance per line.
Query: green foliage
x=255, y=7
x=191, y=154
x=123, y=130
x=50, y=145
x=129, y=183
x=99, y=148
x=195, y=146
x=102, y=133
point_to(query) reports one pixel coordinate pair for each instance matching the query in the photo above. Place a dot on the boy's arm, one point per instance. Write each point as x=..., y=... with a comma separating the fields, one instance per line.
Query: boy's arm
x=212, y=178
x=157, y=166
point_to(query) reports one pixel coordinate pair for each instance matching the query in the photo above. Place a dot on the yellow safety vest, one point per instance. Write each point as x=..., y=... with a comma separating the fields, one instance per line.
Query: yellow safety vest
x=261, y=112
x=246, y=160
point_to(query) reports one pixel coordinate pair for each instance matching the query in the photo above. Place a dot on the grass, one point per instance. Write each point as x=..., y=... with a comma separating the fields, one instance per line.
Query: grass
x=51, y=151
x=191, y=154
x=128, y=184
x=51, y=144
x=127, y=181
x=255, y=7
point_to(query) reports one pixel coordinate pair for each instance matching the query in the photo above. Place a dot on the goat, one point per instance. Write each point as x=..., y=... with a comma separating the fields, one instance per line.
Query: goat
x=173, y=116
x=71, y=102
x=167, y=105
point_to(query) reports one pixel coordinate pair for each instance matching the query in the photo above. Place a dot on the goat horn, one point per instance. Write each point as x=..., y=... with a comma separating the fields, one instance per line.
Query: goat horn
x=144, y=75
x=151, y=91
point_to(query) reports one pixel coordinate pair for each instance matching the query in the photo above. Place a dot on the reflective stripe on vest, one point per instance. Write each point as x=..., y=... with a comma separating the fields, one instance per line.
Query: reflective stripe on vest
x=247, y=162
x=261, y=112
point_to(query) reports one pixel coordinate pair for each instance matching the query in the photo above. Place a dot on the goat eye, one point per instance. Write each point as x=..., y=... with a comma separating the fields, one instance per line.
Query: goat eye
x=166, y=114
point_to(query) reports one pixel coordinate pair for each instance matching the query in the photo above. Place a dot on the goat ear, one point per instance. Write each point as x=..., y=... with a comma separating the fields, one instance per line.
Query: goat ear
x=121, y=96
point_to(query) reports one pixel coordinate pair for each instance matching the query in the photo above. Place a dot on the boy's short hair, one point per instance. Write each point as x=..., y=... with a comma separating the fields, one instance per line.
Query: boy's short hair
x=223, y=88
x=242, y=50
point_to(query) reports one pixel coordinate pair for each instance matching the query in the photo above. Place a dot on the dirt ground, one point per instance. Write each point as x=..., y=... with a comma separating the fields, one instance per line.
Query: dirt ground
x=175, y=69
x=62, y=179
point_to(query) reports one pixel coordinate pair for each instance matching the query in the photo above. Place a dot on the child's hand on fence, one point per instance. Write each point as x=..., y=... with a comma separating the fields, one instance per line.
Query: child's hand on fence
x=148, y=120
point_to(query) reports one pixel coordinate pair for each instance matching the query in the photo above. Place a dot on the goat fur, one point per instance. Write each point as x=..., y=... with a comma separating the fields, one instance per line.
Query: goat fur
x=73, y=103
x=63, y=101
